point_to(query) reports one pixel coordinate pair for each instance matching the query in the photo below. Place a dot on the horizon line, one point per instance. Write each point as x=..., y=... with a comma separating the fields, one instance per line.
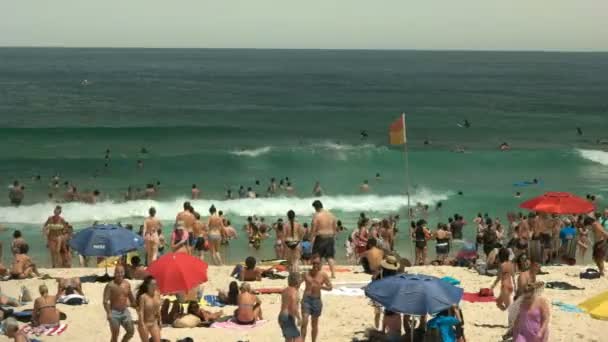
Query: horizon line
x=298, y=49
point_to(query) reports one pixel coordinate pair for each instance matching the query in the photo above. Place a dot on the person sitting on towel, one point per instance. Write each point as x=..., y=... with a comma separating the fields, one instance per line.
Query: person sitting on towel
x=372, y=257
x=11, y=330
x=248, y=273
x=45, y=313
x=250, y=307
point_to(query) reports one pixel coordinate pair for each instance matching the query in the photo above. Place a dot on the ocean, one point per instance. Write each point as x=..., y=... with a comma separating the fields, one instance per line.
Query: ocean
x=222, y=118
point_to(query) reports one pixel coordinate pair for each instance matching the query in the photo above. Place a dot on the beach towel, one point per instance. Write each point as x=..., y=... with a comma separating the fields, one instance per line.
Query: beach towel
x=269, y=290
x=562, y=285
x=451, y=280
x=231, y=324
x=213, y=301
x=567, y=307
x=346, y=291
x=476, y=298
x=44, y=331
x=73, y=299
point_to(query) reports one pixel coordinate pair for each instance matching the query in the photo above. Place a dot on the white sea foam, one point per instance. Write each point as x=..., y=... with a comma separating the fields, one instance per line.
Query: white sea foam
x=166, y=210
x=597, y=156
x=253, y=152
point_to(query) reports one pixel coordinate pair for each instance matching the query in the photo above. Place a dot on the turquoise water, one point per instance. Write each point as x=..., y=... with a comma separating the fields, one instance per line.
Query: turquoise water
x=225, y=118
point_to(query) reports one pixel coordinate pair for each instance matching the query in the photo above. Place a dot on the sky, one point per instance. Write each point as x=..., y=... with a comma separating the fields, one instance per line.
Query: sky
x=579, y=25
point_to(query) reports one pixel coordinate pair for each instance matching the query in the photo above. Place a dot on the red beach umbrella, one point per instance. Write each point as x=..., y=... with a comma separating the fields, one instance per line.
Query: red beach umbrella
x=559, y=203
x=178, y=272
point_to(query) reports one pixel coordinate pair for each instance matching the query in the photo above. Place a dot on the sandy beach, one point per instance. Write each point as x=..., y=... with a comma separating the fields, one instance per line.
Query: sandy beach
x=342, y=317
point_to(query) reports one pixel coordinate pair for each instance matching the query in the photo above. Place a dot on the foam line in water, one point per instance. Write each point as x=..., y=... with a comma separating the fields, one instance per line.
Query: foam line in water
x=597, y=156
x=166, y=210
x=252, y=152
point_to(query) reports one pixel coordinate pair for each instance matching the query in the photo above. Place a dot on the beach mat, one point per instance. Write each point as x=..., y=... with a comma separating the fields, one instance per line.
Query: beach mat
x=44, y=331
x=476, y=298
x=346, y=291
x=567, y=307
x=231, y=324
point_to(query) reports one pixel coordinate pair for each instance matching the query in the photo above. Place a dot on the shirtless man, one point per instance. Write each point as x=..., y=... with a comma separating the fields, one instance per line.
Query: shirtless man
x=316, y=280
x=185, y=218
x=545, y=226
x=117, y=297
x=15, y=193
x=372, y=257
x=323, y=235
x=289, y=316
x=600, y=247
x=151, y=227
x=53, y=230
x=198, y=237
x=196, y=193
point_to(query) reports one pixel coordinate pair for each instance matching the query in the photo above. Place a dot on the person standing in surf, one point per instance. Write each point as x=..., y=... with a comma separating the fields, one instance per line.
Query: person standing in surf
x=215, y=235
x=324, y=235
x=151, y=227
x=53, y=230
x=317, y=191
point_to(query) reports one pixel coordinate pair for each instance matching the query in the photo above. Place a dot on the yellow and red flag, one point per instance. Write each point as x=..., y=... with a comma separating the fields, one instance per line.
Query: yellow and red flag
x=397, y=131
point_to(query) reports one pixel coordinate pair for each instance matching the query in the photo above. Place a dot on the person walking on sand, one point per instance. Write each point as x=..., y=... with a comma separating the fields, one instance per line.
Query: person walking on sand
x=316, y=280
x=293, y=234
x=151, y=227
x=289, y=316
x=600, y=247
x=532, y=322
x=148, y=310
x=324, y=235
x=117, y=297
x=53, y=230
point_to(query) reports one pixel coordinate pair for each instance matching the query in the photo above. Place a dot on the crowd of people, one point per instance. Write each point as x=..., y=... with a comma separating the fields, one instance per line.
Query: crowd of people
x=514, y=254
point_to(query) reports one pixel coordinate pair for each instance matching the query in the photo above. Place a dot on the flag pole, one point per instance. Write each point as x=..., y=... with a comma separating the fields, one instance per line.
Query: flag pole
x=407, y=184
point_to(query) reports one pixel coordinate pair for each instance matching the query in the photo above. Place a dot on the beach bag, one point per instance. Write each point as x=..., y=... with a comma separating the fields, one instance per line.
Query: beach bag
x=590, y=273
x=485, y=292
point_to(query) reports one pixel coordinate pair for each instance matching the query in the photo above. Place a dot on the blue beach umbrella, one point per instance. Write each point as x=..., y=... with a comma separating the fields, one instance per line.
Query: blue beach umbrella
x=105, y=241
x=414, y=294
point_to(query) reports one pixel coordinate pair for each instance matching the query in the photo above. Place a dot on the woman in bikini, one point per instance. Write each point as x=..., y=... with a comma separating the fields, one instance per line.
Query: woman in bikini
x=45, y=313
x=360, y=239
x=151, y=227
x=506, y=275
x=249, y=307
x=215, y=235
x=293, y=234
x=148, y=310
x=54, y=231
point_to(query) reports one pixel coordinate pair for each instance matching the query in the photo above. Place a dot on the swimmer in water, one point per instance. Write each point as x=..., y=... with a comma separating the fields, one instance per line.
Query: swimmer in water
x=466, y=124
x=579, y=131
x=504, y=147
x=364, y=135
x=317, y=190
x=518, y=194
x=378, y=178
x=196, y=193
x=143, y=150
x=365, y=186
x=140, y=164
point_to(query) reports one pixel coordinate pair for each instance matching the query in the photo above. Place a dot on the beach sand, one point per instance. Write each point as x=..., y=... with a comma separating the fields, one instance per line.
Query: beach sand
x=342, y=316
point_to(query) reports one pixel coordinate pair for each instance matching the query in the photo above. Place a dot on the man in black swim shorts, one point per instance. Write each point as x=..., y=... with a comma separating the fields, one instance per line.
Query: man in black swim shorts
x=324, y=228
